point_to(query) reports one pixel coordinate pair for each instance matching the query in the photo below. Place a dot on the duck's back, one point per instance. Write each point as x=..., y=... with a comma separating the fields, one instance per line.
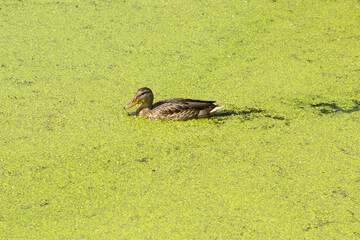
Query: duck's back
x=181, y=109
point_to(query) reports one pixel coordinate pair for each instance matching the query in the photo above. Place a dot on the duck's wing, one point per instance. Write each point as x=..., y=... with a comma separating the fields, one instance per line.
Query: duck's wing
x=178, y=104
x=180, y=108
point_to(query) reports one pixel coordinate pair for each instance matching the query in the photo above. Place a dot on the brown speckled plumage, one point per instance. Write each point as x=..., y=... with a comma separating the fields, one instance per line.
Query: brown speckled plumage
x=174, y=108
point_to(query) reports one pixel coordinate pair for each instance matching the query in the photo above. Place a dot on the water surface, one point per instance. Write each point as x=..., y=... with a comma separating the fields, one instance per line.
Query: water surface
x=280, y=161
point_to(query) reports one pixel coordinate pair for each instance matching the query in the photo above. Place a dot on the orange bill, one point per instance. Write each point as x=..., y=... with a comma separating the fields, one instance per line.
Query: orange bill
x=131, y=104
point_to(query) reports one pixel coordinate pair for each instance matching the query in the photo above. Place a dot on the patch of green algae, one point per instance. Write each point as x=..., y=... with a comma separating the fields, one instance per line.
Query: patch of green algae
x=279, y=162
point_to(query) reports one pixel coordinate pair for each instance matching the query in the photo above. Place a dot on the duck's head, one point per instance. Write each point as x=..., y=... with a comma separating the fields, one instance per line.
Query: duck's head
x=144, y=96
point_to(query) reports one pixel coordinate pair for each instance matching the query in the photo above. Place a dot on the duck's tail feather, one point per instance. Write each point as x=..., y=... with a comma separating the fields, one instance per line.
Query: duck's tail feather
x=217, y=107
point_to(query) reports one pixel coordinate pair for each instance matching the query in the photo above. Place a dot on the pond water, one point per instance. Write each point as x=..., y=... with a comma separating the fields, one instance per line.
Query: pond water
x=281, y=160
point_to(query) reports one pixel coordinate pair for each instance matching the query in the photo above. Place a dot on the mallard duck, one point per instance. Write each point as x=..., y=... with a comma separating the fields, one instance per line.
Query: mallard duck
x=171, y=109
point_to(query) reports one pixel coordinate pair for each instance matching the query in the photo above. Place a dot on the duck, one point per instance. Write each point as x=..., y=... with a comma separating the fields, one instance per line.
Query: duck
x=180, y=109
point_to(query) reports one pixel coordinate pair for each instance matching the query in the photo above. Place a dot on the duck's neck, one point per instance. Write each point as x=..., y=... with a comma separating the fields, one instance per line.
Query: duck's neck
x=144, y=109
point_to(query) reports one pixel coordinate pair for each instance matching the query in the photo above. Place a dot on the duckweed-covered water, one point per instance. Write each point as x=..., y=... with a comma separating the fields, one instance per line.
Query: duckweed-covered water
x=281, y=161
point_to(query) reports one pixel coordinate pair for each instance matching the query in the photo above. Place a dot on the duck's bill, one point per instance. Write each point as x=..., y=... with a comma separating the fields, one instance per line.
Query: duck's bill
x=131, y=104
